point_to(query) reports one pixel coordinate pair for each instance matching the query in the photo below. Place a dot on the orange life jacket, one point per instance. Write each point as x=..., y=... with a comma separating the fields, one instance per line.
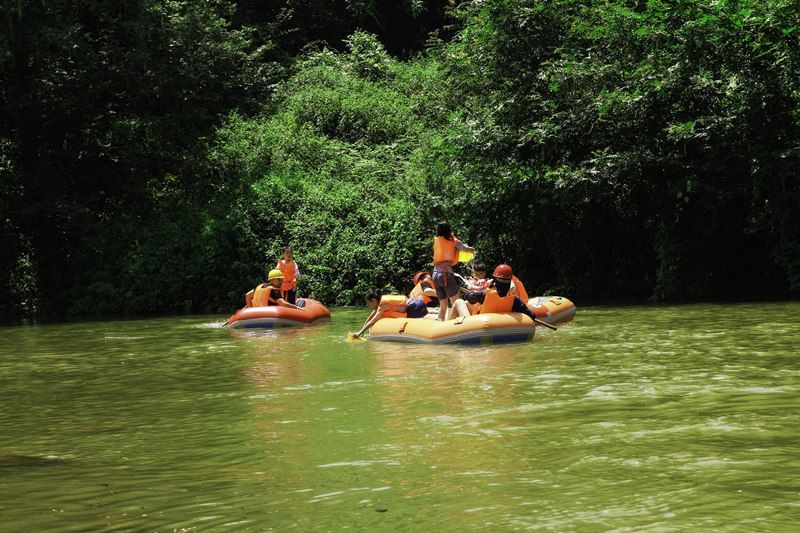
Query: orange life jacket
x=393, y=306
x=493, y=303
x=419, y=291
x=444, y=251
x=520, y=289
x=289, y=271
x=263, y=295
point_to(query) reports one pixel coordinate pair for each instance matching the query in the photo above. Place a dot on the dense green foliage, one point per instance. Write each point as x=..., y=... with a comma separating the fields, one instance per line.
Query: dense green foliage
x=655, y=142
x=156, y=155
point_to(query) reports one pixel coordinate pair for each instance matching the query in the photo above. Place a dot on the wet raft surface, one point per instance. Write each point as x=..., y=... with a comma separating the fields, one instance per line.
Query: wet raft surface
x=669, y=418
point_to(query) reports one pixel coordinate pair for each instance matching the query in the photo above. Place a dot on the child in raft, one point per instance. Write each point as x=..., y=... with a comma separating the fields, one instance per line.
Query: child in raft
x=291, y=272
x=478, y=279
x=269, y=293
x=391, y=306
x=445, y=255
x=495, y=299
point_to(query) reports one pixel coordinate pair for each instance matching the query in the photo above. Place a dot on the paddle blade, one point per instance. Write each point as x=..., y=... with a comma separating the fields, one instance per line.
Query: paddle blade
x=464, y=256
x=352, y=337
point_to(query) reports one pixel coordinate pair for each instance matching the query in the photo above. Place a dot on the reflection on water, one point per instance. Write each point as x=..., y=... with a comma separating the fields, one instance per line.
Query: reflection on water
x=669, y=418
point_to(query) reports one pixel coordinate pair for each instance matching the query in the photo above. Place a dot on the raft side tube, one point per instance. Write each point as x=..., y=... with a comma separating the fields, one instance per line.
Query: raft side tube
x=272, y=316
x=476, y=329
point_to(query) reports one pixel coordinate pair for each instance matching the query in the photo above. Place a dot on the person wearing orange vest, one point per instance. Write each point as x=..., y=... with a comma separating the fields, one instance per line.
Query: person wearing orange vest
x=445, y=255
x=269, y=293
x=423, y=288
x=498, y=298
x=391, y=306
x=517, y=287
x=291, y=272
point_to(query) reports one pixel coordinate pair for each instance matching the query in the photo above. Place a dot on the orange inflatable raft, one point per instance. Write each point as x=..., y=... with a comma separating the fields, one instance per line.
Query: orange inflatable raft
x=552, y=309
x=272, y=316
x=475, y=329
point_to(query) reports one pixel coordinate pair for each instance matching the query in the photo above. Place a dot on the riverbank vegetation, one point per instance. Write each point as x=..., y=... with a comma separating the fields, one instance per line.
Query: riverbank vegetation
x=156, y=156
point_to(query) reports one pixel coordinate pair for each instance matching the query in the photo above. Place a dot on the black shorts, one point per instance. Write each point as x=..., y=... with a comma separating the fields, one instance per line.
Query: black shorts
x=416, y=308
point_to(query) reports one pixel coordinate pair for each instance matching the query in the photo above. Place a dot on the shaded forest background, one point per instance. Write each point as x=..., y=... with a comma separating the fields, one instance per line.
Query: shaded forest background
x=156, y=155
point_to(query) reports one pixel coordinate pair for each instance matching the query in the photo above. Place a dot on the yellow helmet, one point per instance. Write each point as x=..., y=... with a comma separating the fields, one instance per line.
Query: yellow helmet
x=274, y=274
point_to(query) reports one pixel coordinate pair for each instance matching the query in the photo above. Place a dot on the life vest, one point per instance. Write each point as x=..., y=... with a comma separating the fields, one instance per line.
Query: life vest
x=520, y=289
x=419, y=291
x=393, y=306
x=289, y=271
x=493, y=303
x=263, y=296
x=444, y=251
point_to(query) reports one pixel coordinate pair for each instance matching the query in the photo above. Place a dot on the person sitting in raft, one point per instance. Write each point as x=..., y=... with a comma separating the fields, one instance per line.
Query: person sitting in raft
x=391, y=306
x=495, y=299
x=517, y=287
x=445, y=255
x=423, y=288
x=291, y=272
x=269, y=293
x=478, y=279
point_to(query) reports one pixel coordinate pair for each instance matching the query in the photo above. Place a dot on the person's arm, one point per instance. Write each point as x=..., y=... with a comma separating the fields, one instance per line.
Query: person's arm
x=248, y=298
x=296, y=271
x=519, y=307
x=475, y=297
x=461, y=246
x=276, y=295
x=284, y=303
x=373, y=317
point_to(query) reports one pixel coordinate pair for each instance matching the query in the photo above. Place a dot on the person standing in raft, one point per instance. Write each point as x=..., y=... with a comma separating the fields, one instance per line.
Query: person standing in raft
x=269, y=293
x=291, y=272
x=391, y=306
x=496, y=299
x=445, y=255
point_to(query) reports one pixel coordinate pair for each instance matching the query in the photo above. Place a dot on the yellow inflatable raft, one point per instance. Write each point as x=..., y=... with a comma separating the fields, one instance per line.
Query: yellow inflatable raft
x=476, y=329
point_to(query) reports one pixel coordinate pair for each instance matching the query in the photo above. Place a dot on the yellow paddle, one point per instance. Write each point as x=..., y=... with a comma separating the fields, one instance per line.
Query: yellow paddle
x=352, y=337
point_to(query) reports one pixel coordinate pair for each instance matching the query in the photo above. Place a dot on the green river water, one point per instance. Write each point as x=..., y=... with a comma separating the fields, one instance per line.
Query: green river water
x=679, y=418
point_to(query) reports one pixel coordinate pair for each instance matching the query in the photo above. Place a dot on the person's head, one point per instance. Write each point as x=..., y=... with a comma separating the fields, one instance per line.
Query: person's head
x=479, y=270
x=502, y=279
x=287, y=253
x=443, y=230
x=419, y=276
x=373, y=298
x=275, y=277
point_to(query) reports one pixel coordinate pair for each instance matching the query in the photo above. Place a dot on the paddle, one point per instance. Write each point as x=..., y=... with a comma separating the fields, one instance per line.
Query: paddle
x=352, y=337
x=545, y=324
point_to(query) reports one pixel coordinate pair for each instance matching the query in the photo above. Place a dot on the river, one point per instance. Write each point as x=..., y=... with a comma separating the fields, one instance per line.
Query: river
x=663, y=418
